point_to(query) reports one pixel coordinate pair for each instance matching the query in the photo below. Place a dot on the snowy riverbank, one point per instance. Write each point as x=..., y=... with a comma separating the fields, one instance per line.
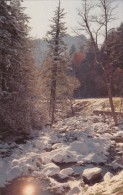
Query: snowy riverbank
x=63, y=153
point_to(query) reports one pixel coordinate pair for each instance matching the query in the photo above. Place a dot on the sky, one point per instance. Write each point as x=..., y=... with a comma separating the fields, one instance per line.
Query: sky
x=41, y=11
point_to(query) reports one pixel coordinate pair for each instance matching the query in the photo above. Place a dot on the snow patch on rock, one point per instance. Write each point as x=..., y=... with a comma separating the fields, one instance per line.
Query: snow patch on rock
x=107, y=176
x=50, y=170
x=91, y=172
x=67, y=171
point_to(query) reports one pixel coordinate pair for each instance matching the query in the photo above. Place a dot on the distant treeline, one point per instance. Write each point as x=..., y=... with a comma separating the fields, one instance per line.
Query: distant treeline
x=90, y=74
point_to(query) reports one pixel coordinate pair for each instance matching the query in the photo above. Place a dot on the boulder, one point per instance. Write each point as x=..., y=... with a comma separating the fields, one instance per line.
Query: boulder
x=50, y=170
x=118, y=134
x=1, y=164
x=106, y=136
x=62, y=176
x=67, y=171
x=38, y=144
x=120, y=147
x=92, y=175
x=117, y=166
x=57, y=158
x=58, y=188
x=107, y=176
x=46, y=160
x=74, y=190
x=57, y=145
x=80, y=147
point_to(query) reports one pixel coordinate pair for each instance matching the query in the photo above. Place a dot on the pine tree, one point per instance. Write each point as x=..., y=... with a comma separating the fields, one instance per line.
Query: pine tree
x=56, y=69
x=72, y=50
x=113, y=56
x=17, y=67
x=5, y=33
x=56, y=52
x=115, y=47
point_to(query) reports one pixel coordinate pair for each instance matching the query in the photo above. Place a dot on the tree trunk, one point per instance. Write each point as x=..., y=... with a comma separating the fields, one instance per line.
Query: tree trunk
x=108, y=85
x=3, y=73
x=111, y=103
x=53, y=94
x=71, y=107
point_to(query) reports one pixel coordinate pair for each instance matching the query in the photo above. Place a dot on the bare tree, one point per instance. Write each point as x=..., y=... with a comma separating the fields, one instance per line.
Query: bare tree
x=93, y=25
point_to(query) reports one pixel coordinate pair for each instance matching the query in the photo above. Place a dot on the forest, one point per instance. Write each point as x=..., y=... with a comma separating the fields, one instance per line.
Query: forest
x=64, y=75
x=50, y=125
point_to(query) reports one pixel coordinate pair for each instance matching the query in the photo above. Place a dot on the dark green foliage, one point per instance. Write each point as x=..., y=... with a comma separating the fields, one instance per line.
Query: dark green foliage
x=16, y=68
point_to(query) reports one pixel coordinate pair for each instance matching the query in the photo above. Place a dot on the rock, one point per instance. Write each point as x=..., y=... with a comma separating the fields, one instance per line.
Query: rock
x=63, y=155
x=69, y=157
x=58, y=188
x=14, y=162
x=79, y=146
x=57, y=158
x=117, y=166
x=107, y=136
x=74, y=190
x=95, y=120
x=67, y=171
x=46, y=160
x=92, y=175
x=50, y=170
x=1, y=164
x=120, y=146
x=62, y=176
x=57, y=145
x=13, y=144
x=107, y=176
x=38, y=144
x=47, y=147
x=113, y=142
x=14, y=173
x=120, y=126
x=118, y=134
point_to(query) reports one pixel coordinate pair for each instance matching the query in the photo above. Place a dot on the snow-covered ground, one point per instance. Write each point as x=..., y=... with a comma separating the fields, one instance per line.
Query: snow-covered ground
x=110, y=186
x=55, y=154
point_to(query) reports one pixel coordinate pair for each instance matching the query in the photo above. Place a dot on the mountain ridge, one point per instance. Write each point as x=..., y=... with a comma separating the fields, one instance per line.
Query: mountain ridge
x=40, y=46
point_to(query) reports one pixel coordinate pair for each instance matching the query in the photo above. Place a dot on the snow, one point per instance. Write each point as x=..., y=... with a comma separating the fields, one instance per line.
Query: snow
x=57, y=158
x=67, y=171
x=58, y=145
x=78, y=140
x=62, y=155
x=74, y=190
x=120, y=147
x=57, y=187
x=116, y=165
x=50, y=170
x=118, y=134
x=108, y=176
x=107, y=136
x=89, y=173
x=1, y=164
x=79, y=147
x=107, y=187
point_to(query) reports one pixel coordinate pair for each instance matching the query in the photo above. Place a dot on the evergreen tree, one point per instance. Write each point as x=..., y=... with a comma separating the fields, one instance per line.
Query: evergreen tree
x=56, y=52
x=5, y=52
x=72, y=50
x=113, y=56
x=56, y=69
x=115, y=47
x=16, y=68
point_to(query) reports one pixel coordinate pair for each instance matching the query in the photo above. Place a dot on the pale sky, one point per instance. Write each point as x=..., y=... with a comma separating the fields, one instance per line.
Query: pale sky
x=41, y=11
